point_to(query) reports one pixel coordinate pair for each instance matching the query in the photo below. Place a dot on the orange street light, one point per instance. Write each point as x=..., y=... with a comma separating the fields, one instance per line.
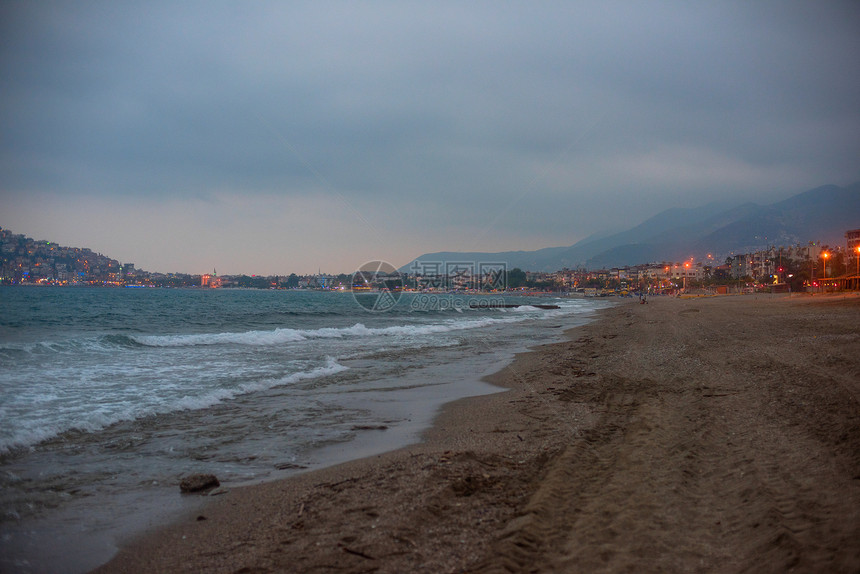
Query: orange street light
x=824, y=255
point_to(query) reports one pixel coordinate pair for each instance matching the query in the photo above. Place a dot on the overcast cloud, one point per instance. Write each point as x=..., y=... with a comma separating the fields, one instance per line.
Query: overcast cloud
x=283, y=137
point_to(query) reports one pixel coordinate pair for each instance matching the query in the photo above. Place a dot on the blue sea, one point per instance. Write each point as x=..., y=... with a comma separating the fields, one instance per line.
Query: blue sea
x=108, y=397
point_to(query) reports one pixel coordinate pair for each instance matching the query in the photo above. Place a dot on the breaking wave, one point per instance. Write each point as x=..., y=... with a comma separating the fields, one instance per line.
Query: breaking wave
x=90, y=419
x=281, y=336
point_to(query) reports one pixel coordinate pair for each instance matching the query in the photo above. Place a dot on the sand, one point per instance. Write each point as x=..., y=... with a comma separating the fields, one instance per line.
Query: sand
x=685, y=435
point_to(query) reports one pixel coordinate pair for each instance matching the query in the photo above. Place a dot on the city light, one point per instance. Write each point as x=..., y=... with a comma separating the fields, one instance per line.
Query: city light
x=858, y=264
x=26, y=261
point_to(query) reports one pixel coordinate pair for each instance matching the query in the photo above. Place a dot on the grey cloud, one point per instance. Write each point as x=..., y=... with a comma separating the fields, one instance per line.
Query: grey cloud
x=427, y=103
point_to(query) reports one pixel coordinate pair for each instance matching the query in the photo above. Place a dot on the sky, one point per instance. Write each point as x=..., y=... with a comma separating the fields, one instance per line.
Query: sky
x=278, y=137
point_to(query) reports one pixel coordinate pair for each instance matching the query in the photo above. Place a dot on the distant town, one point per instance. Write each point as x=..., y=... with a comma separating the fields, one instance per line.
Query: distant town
x=810, y=267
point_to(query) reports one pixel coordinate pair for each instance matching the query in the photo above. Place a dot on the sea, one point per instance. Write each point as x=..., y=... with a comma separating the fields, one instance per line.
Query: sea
x=110, y=396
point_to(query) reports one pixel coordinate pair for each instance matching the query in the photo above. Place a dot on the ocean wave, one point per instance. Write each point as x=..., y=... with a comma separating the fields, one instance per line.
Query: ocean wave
x=87, y=419
x=275, y=337
x=281, y=336
x=107, y=343
x=126, y=341
x=332, y=367
x=524, y=309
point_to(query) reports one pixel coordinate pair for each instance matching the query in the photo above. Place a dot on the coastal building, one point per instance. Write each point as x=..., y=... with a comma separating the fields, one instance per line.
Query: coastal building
x=653, y=271
x=619, y=273
x=759, y=265
x=852, y=240
x=211, y=281
x=689, y=270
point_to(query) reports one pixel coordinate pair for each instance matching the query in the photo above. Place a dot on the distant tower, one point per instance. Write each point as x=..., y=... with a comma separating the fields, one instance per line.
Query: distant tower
x=211, y=280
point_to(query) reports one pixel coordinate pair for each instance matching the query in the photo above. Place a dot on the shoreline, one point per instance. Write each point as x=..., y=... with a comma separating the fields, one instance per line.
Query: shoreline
x=85, y=534
x=680, y=435
x=436, y=434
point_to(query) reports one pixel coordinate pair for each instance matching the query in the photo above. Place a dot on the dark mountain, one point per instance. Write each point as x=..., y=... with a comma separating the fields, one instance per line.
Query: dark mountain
x=821, y=214
x=529, y=260
x=678, y=240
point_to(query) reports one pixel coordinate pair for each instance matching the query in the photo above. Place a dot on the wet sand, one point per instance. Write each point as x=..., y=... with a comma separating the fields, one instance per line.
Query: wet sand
x=685, y=435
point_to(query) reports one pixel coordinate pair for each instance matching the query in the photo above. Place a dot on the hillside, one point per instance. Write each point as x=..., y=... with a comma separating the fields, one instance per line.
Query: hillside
x=820, y=214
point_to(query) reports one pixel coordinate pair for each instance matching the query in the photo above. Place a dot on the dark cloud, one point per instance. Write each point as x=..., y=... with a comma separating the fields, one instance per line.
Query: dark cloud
x=558, y=118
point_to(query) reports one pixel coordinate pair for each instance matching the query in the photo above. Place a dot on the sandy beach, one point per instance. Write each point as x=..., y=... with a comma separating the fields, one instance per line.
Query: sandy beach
x=685, y=435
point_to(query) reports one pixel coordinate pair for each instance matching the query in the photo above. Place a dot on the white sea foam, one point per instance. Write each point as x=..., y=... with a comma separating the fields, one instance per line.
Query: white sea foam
x=105, y=374
x=113, y=391
x=86, y=418
x=221, y=395
x=282, y=336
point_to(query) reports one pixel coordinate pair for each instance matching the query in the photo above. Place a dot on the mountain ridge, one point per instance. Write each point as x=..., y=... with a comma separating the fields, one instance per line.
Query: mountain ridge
x=718, y=228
